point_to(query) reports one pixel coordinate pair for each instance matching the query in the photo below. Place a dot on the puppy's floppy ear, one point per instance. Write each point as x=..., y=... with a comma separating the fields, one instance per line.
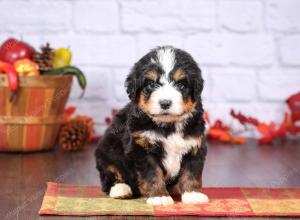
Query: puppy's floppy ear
x=132, y=85
x=198, y=84
x=194, y=73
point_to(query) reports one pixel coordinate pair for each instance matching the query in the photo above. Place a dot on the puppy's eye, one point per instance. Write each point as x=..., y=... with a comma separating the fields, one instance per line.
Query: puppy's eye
x=181, y=86
x=151, y=85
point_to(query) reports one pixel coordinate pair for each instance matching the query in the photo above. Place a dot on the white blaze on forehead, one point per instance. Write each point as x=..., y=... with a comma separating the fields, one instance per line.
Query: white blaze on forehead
x=166, y=58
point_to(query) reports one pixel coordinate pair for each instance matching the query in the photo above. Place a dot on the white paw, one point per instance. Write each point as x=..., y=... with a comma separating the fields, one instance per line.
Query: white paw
x=164, y=200
x=120, y=190
x=194, y=198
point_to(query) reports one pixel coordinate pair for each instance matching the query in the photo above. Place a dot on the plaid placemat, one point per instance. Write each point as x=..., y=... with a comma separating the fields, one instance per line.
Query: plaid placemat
x=64, y=199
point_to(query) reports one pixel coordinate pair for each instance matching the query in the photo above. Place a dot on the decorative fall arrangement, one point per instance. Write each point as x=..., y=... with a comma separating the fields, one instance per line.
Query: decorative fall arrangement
x=18, y=58
x=34, y=89
x=268, y=131
x=30, y=78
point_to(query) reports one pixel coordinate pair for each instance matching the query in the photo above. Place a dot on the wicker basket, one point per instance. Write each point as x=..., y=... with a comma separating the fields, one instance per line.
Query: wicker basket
x=32, y=121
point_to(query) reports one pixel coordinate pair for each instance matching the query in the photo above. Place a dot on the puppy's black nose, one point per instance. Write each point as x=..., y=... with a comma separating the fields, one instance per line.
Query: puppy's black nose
x=165, y=104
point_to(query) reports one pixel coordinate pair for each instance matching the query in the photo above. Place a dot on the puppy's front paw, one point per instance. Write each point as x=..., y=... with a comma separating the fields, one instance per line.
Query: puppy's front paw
x=120, y=191
x=194, y=198
x=163, y=200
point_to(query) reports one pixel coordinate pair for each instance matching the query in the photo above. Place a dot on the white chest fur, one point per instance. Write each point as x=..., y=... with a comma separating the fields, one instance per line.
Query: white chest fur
x=175, y=146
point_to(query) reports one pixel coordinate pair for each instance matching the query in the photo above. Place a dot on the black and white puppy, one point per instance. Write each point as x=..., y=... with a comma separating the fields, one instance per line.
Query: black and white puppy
x=155, y=146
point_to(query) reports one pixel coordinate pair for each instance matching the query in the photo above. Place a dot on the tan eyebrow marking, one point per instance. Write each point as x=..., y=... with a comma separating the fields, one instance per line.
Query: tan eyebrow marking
x=153, y=75
x=179, y=75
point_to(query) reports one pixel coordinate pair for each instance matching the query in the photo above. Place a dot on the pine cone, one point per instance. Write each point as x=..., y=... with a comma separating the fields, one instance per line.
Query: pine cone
x=73, y=135
x=45, y=58
x=89, y=122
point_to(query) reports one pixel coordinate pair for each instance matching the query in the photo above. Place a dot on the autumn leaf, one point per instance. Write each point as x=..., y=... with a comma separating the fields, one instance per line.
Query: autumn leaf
x=108, y=121
x=218, y=134
x=96, y=139
x=291, y=126
x=294, y=105
x=69, y=112
x=219, y=125
x=206, y=117
x=239, y=140
x=224, y=136
x=267, y=131
x=114, y=111
x=244, y=119
x=283, y=127
x=221, y=132
x=293, y=129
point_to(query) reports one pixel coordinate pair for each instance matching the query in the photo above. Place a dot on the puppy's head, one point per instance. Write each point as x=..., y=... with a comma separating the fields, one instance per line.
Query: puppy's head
x=166, y=84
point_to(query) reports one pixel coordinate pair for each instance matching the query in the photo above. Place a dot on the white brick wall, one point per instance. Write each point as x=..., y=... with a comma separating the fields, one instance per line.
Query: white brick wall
x=249, y=50
x=215, y=49
x=241, y=16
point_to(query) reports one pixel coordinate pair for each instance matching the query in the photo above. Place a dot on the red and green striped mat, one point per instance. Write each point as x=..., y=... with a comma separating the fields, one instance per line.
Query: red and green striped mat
x=74, y=200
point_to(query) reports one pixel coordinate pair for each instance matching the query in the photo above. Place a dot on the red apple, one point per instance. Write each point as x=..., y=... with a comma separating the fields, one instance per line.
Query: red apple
x=12, y=50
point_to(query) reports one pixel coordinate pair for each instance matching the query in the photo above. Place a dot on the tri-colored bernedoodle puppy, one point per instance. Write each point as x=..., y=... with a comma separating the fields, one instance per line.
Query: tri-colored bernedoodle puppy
x=155, y=146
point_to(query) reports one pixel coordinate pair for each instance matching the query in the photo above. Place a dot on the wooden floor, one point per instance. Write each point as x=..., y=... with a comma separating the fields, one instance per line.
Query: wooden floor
x=23, y=177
